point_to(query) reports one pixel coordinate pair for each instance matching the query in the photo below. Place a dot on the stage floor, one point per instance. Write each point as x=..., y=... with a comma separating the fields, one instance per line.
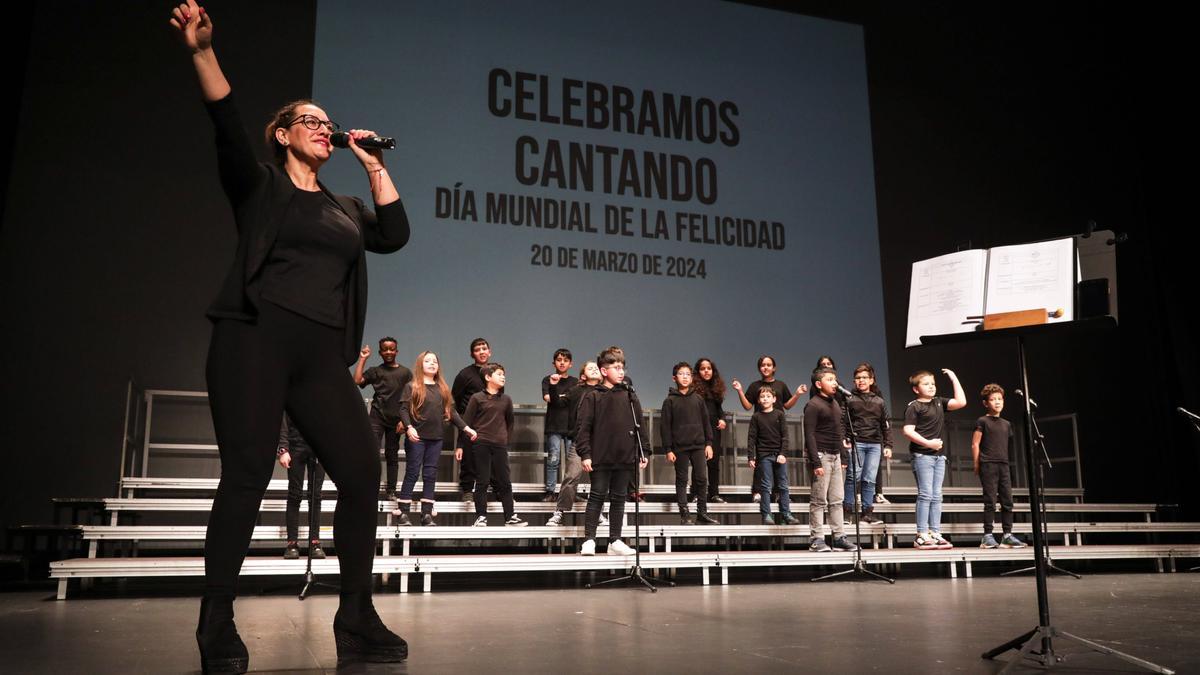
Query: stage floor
x=916, y=626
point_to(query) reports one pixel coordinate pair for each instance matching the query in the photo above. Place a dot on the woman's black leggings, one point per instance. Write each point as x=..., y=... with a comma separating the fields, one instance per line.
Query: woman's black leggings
x=255, y=371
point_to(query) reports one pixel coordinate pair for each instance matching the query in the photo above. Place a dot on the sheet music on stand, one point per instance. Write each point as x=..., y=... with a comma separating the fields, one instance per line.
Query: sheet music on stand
x=953, y=292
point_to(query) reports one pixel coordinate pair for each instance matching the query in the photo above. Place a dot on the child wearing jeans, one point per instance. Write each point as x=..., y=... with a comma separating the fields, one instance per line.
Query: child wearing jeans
x=925, y=427
x=767, y=447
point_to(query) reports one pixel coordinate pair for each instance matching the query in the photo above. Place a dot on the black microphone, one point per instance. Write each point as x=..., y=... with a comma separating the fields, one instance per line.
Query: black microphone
x=341, y=139
x=844, y=391
x=1032, y=402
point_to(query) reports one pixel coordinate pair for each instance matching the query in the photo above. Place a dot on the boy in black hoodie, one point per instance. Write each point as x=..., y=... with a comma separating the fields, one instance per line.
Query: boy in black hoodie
x=610, y=449
x=687, y=440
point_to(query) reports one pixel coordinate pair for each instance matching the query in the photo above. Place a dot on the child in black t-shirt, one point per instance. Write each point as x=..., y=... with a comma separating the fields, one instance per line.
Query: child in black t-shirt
x=990, y=445
x=388, y=380
x=925, y=427
x=555, y=388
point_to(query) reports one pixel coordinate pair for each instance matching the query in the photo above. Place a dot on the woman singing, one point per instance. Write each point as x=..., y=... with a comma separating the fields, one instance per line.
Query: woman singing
x=287, y=324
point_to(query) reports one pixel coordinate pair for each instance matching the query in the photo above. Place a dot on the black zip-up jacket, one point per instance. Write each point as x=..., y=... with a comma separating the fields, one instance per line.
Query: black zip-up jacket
x=260, y=194
x=685, y=423
x=605, y=432
x=768, y=434
x=869, y=413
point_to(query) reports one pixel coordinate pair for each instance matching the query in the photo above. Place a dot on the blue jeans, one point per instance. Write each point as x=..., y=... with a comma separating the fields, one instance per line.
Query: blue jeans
x=771, y=473
x=930, y=471
x=556, y=445
x=867, y=461
x=421, y=461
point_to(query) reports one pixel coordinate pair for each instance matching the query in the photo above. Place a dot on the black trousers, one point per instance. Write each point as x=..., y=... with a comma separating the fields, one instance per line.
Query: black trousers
x=997, y=482
x=255, y=371
x=714, y=464
x=385, y=435
x=296, y=492
x=609, y=483
x=491, y=466
x=693, y=459
x=466, y=468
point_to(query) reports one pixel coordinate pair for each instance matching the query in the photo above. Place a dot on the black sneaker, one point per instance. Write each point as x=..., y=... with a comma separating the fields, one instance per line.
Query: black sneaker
x=292, y=552
x=549, y=497
x=818, y=545
x=686, y=519
x=427, y=520
x=315, y=551
x=788, y=519
x=705, y=519
x=768, y=520
x=869, y=518
x=402, y=519
x=716, y=499
x=843, y=544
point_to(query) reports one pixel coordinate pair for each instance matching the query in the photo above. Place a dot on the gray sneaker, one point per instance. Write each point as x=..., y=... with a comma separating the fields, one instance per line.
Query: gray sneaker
x=988, y=541
x=818, y=545
x=843, y=544
x=1009, y=541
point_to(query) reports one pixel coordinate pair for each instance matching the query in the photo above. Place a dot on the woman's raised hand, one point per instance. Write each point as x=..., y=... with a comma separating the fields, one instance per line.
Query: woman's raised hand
x=194, y=26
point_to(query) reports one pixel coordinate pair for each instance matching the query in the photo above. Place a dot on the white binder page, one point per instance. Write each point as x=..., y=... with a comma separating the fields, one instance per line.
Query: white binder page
x=944, y=292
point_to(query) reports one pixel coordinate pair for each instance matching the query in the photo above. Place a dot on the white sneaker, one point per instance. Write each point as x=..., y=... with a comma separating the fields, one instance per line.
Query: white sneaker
x=603, y=520
x=555, y=520
x=757, y=498
x=618, y=547
x=588, y=548
x=880, y=499
x=481, y=521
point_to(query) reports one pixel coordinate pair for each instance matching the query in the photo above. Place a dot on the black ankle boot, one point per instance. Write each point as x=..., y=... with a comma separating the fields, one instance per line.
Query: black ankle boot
x=221, y=648
x=362, y=636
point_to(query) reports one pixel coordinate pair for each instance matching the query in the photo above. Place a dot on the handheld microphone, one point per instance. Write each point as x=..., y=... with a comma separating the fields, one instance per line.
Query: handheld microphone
x=1032, y=402
x=341, y=139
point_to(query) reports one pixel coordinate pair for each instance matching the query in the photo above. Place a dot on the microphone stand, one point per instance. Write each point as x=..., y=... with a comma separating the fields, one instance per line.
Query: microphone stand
x=1043, y=460
x=859, y=567
x=314, y=526
x=635, y=572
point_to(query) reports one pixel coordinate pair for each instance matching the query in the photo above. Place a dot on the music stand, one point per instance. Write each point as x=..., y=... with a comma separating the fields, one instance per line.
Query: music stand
x=1045, y=632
